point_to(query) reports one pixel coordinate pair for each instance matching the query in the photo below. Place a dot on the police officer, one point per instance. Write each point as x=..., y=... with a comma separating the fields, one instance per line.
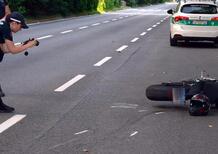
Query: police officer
x=4, y=11
x=14, y=22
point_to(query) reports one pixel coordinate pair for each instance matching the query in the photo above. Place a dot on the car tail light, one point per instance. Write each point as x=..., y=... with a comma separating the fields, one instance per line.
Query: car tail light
x=215, y=19
x=178, y=18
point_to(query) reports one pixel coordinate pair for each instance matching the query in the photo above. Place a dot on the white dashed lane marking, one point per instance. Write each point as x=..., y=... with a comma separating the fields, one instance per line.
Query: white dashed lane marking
x=122, y=48
x=69, y=83
x=67, y=31
x=142, y=34
x=149, y=29
x=124, y=107
x=105, y=21
x=136, y=132
x=44, y=37
x=142, y=110
x=96, y=24
x=84, y=27
x=114, y=20
x=82, y=132
x=159, y=113
x=154, y=26
x=134, y=40
x=10, y=122
x=101, y=62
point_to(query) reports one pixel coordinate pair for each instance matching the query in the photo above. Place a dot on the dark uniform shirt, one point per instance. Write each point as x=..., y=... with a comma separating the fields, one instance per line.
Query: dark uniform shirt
x=5, y=34
x=3, y=3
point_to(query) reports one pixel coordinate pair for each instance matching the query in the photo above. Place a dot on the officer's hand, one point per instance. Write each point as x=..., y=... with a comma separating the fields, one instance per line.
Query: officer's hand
x=32, y=43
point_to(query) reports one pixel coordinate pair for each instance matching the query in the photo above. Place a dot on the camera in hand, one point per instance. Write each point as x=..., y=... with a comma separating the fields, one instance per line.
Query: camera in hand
x=25, y=42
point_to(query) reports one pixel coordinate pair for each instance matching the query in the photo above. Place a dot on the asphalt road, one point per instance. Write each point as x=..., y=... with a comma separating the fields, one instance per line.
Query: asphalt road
x=83, y=89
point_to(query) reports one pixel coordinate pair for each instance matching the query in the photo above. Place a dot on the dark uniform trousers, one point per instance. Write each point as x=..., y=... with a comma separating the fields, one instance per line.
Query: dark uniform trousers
x=1, y=58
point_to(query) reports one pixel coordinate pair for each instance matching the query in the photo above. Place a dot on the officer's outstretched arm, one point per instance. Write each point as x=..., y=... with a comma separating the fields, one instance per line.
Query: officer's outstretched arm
x=9, y=46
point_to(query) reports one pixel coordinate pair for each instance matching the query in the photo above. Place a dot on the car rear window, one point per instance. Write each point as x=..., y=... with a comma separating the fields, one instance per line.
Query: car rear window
x=199, y=9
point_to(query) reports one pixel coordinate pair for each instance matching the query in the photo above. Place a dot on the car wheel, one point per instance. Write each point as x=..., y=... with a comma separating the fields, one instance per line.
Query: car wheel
x=159, y=92
x=173, y=42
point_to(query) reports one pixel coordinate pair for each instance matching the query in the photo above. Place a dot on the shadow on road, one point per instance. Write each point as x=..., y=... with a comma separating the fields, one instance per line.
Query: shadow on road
x=197, y=45
x=172, y=107
x=181, y=108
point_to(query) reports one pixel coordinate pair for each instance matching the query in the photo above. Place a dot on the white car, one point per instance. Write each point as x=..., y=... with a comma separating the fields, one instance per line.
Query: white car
x=194, y=20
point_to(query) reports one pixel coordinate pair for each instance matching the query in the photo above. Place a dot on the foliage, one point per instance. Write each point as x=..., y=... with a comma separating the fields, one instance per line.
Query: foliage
x=110, y=4
x=37, y=8
x=133, y=3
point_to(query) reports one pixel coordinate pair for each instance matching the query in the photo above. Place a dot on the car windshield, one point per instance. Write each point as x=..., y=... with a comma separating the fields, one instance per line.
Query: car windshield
x=199, y=9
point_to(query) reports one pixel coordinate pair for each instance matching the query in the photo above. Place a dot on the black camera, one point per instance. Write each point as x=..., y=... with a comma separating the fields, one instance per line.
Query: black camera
x=25, y=42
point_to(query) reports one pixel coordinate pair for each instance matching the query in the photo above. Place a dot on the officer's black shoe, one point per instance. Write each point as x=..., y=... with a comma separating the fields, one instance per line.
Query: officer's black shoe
x=5, y=108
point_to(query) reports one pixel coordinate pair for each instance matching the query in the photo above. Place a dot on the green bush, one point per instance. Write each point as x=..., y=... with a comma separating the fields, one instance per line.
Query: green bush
x=52, y=7
x=133, y=3
x=37, y=8
x=110, y=4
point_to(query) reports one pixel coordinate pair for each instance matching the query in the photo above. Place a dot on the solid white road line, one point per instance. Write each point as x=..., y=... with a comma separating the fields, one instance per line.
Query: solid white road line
x=136, y=132
x=67, y=31
x=10, y=122
x=134, y=40
x=82, y=132
x=142, y=34
x=84, y=27
x=101, y=62
x=149, y=29
x=69, y=83
x=44, y=37
x=122, y=48
x=96, y=24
